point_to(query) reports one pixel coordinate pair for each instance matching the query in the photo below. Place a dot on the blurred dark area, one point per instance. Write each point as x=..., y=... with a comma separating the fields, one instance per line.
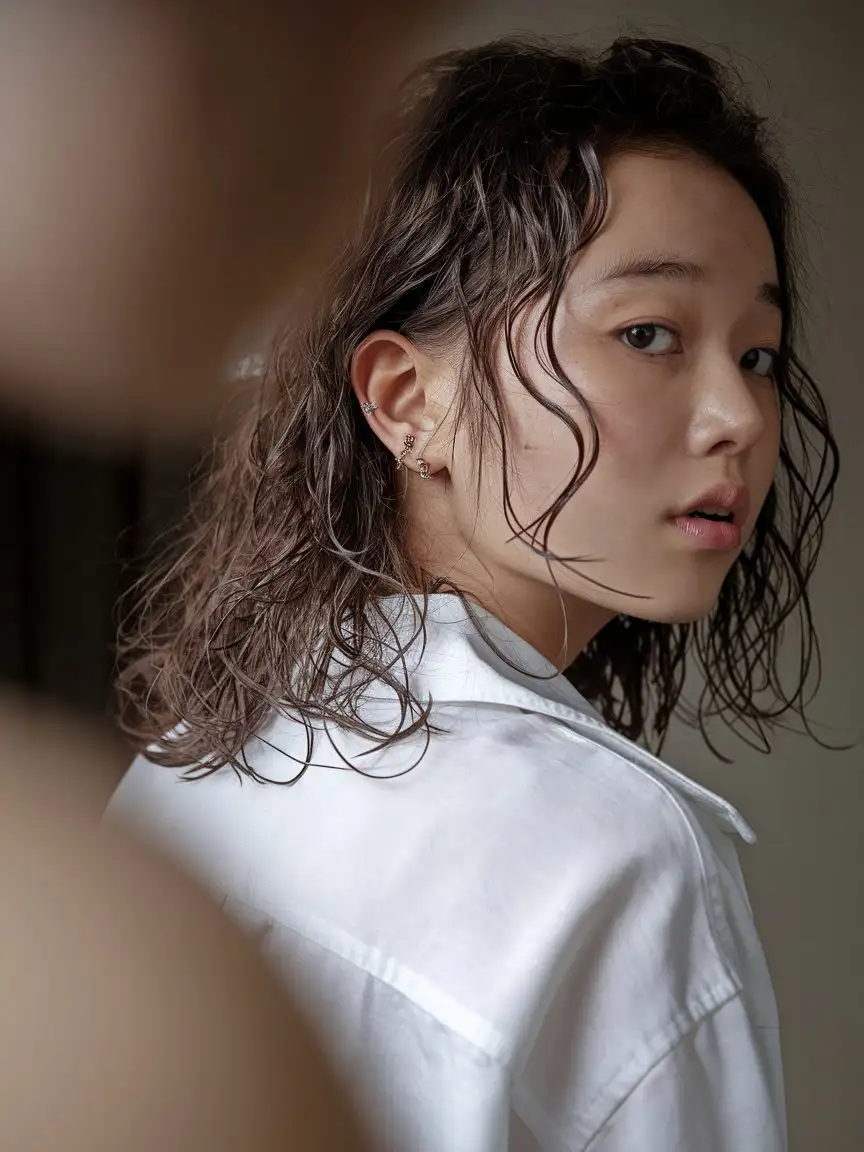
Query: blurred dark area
x=78, y=525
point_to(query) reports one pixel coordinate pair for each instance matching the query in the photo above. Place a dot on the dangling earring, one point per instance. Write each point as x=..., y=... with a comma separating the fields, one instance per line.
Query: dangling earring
x=409, y=444
x=425, y=474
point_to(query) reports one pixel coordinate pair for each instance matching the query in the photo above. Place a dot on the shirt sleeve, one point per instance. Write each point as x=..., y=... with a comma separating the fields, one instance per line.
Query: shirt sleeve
x=711, y=1093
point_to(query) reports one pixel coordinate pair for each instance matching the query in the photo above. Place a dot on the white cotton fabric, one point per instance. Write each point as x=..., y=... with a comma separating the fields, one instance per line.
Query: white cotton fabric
x=536, y=940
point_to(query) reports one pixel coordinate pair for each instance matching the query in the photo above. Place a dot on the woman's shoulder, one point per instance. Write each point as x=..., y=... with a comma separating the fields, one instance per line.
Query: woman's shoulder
x=510, y=852
x=564, y=786
x=531, y=817
x=564, y=769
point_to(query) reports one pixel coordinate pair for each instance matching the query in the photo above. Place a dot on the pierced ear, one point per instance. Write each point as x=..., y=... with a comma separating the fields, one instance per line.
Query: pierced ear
x=388, y=378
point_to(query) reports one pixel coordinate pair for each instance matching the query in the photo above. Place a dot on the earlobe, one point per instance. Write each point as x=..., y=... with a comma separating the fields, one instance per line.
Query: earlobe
x=422, y=465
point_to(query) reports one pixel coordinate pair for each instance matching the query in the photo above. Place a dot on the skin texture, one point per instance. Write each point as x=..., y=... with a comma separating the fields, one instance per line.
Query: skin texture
x=161, y=195
x=694, y=408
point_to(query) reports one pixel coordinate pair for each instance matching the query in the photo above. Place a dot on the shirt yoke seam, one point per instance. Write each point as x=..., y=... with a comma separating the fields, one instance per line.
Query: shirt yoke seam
x=499, y=1052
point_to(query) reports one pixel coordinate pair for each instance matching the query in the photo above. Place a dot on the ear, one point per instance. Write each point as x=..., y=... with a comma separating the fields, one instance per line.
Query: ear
x=391, y=373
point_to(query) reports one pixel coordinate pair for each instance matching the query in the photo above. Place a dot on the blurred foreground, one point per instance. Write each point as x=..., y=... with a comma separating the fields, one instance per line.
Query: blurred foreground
x=170, y=173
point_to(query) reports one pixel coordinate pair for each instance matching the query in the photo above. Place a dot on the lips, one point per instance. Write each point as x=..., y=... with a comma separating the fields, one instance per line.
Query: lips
x=713, y=514
x=727, y=502
x=716, y=535
x=714, y=520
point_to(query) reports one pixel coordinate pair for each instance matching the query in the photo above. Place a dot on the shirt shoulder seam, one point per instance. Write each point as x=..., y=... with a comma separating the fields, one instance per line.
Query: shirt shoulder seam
x=709, y=883
x=696, y=1024
x=548, y=1132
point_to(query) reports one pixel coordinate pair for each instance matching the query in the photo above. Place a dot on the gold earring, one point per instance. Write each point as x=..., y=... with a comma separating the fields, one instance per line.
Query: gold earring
x=409, y=444
x=425, y=474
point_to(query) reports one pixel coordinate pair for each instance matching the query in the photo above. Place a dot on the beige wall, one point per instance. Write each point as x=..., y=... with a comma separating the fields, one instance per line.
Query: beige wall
x=806, y=804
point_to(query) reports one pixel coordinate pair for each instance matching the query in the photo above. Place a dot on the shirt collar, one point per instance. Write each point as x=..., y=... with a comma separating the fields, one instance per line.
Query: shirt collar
x=469, y=655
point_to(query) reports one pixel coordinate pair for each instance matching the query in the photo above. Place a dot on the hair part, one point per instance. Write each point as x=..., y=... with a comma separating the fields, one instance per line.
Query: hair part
x=298, y=530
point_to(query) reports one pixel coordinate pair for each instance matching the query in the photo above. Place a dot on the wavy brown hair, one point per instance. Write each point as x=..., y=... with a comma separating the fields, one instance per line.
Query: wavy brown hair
x=296, y=530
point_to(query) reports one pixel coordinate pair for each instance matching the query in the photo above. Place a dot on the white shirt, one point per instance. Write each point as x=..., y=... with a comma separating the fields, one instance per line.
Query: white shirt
x=536, y=940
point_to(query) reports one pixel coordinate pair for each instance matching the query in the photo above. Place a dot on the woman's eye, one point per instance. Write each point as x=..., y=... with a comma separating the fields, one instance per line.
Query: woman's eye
x=762, y=361
x=651, y=338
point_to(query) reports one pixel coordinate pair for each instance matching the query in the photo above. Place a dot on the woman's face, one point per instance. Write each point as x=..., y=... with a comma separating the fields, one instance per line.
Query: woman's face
x=669, y=328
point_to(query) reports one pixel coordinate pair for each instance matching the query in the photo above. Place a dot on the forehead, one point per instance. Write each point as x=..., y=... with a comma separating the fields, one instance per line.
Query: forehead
x=684, y=205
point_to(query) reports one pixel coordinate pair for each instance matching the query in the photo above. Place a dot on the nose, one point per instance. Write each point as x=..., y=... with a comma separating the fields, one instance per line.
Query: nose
x=731, y=409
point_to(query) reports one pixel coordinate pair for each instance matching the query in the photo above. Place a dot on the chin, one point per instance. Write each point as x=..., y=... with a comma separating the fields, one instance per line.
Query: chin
x=684, y=610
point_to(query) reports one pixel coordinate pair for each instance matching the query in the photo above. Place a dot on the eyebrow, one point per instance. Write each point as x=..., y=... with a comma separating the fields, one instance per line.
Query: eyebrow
x=636, y=267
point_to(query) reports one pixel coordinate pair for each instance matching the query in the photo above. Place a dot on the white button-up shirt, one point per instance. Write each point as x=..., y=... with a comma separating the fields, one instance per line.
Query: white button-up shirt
x=536, y=939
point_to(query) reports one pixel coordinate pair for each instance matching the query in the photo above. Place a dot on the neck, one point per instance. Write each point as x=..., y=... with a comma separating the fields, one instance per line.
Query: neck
x=557, y=624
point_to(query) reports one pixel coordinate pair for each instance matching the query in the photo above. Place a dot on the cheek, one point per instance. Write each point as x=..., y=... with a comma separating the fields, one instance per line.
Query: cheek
x=766, y=454
x=544, y=454
x=639, y=438
x=636, y=436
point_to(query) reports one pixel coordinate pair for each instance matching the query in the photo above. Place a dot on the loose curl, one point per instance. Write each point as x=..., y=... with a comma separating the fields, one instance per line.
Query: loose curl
x=297, y=529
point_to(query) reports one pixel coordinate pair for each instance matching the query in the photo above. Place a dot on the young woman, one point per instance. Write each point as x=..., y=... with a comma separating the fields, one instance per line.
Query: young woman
x=547, y=441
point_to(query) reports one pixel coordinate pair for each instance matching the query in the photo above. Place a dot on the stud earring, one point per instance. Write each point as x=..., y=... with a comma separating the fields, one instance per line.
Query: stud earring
x=409, y=444
x=425, y=474
x=369, y=407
